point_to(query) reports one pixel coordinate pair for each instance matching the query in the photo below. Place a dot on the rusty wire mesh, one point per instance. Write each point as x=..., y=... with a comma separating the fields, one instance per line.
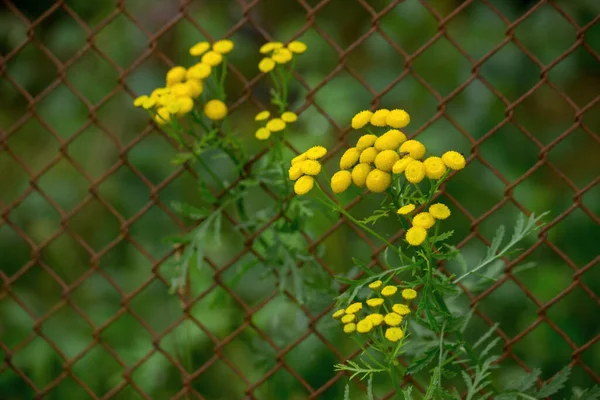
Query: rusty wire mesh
x=125, y=236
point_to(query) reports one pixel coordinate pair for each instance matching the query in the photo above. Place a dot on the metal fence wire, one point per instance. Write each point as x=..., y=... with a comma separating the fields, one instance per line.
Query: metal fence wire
x=64, y=141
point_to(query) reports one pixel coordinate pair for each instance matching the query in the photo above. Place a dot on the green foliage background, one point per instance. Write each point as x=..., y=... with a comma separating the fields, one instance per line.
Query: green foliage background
x=88, y=89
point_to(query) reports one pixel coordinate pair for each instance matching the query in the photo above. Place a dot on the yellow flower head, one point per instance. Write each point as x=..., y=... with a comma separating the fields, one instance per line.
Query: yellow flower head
x=349, y=158
x=162, y=116
x=215, y=110
x=316, y=152
x=376, y=302
x=181, y=90
x=295, y=170
x=393, y=319
x=386, y=159
x=389, y=291
x=378, y=181
x=266, y=65
x=173, y=107
x=365, y=140
x=454, y=160
x=212, y=58
x=310, y=167
x=379, y=116
x=424, y=220
x=223, y=46
x=368, y=155
x=349, y=328
x=269, y=47
x=140, y=100
x=397, y=119
x=390, y=140
x=264, y=134
x=338, y=314
x=166, y=99
x=149, y=103
x=195, y=86
x=282, y=56
x=439, y=211
x=416, y=235
x=340, y=181
x=297, y=47
x=199, y=71
x=276, y=125
x=415, y=171
x=375, y=285
x=434, y=167
x=175, y=75
x=199, y=48
x=354, y=308
x=409, y=294
x=394, y=334
x=401, y=309
x=304, y=185
x=364, y=325
x=261, y=116
x=160, y=92
x=400, y=165
x=406, y=209
x=360, y=120
x=348, y=318
x=360, y=173
x=298, y=158
x=376, y=319
x=186, y=104
x=289, y=117
x=415, y=148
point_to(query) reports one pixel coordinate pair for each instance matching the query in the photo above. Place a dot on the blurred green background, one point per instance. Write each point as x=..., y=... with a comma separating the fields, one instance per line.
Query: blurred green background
x=75, y=73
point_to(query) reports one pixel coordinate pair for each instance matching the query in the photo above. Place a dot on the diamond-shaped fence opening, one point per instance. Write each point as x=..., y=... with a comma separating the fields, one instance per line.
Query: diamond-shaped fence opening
x=95, y=303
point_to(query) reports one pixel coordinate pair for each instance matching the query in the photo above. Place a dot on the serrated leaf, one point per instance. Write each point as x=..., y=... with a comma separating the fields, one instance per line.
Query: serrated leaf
x=556, y=384
x=524, y=382
x=441, y=237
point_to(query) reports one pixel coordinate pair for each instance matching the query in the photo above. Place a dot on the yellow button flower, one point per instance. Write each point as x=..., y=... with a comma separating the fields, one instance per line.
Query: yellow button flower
x=378, y=118
x=366, y=140
x=401, y=309
x=375, y=302
x=261, y=116
x=212, y=58
x=349, y=328
x=348, y=318
x=289, y=117
x=160, y=92
x=263, y=134
x=375, y=285
x=282, y=56
x=173, y=107
x=310, y=167
x=360, y=120
x=297, y=47
x=415, y=172
x=276, y=125
x=175, y=75
x=186, y=104
x=140, y=100
x=389, y=291
x=181, y=90
x=376, y=319
x=360, y=173
x=223, y=46
x=409, y=294
x=364, y=325
x=298, y=158
x=295, y=170
x=269, y=47
x=215, y=110
x=394, y=334
x=406, y=209
x=390, y=140
x=415, y=149
x=393, y=319
x=368, y=155
x=439, y=211
x=266, y=65
x=434, y=167
x=338, y=314
x=195, y=86
x=354, y=308
x=416, y=235
x=304, y=185
x=424, y=220
x=397, y=119
x=149, y=103
x=199, y=48
x=199, y=71
x=349, y=158
x=400, y=165
x=316, y=152
x=166, y=99
x=340, y=181
x=454, y=160
x=162, y=116
x=378, y=181
x=386, y=159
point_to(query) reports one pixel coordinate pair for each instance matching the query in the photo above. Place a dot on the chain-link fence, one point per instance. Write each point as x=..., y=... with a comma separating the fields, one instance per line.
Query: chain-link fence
x=86, y=182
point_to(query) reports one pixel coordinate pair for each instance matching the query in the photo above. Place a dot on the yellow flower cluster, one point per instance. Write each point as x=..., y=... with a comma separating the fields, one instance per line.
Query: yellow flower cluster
x=392, y=320
x=273, y=124
x=276, y=53
x=394, y=119
x=185, y=85
x=423, y=221
x=305, y=167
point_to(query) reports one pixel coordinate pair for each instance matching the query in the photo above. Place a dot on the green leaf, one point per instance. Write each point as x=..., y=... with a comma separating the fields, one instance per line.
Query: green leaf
x=556, y=384
x=347, y=392
x=407, y=393
x=524, y=382
x=189, y=211
x=441, y=237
